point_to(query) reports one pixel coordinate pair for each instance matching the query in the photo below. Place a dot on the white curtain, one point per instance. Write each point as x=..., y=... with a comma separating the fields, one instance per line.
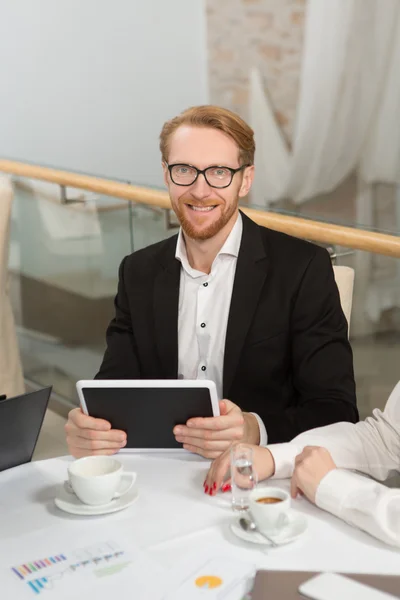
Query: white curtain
x=349, y=106
x=348, y=118
x=381, y=156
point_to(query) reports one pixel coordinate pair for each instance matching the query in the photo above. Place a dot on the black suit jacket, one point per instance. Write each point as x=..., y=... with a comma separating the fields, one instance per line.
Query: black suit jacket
x=287, y=356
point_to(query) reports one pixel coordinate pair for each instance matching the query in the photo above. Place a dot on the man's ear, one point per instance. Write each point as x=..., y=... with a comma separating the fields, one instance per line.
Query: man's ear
x=247, y=181
x=165, y=172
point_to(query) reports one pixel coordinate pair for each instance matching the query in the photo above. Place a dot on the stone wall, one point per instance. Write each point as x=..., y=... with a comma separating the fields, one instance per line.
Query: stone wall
x=267, y=34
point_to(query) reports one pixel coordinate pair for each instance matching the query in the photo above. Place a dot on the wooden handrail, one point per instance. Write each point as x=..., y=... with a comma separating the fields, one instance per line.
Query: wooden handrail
x=327, y=233
x=88, y=182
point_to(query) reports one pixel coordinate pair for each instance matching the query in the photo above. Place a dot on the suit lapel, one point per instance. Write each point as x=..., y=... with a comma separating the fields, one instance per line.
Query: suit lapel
x=251, y=272
x=165, y=304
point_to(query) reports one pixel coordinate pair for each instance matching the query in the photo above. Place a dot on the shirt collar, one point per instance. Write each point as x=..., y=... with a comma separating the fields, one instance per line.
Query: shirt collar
x=231, y=246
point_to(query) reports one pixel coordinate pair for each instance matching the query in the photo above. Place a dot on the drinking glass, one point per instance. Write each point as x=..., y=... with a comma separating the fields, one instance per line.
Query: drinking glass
x=243, y=476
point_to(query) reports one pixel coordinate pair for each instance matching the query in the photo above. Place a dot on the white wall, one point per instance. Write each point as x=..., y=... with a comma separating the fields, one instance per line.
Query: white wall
x=87, y=84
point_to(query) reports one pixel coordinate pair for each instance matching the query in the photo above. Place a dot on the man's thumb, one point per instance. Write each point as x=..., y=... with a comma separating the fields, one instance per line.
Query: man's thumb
x=225, y=406
x=223, y=409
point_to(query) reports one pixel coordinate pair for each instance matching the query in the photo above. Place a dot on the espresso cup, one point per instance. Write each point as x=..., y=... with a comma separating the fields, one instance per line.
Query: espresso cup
x=98, y=479
x=270, y=516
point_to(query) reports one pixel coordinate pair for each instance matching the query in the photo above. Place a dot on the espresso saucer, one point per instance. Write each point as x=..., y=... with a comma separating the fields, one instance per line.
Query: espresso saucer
x=296, y=526
x=71, y=504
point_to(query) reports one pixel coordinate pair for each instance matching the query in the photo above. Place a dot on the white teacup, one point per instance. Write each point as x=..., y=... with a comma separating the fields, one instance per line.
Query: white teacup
x=271, y=516
x=98, y=479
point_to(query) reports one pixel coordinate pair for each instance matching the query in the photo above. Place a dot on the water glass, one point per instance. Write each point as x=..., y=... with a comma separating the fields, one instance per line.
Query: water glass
x=243, y=476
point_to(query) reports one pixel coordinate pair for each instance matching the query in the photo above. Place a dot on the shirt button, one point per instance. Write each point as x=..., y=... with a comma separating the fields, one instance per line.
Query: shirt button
x=203, y=368
x=205, y=284
x=203, y=325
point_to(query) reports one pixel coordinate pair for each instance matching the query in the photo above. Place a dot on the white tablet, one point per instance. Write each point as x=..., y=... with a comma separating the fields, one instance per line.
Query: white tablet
x=148, y=409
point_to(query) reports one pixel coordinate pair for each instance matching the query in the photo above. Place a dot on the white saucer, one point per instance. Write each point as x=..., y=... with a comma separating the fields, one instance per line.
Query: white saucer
x=71, y=504
x=292, y=531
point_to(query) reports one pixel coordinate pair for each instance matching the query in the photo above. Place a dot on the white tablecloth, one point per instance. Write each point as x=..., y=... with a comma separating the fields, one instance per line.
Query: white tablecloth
x=173, y=515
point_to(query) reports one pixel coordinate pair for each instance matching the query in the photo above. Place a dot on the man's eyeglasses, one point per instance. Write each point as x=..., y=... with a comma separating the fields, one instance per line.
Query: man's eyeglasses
x=215, y=176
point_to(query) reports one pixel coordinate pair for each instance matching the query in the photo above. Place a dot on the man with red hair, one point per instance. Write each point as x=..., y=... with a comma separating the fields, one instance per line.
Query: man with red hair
x=254, y=310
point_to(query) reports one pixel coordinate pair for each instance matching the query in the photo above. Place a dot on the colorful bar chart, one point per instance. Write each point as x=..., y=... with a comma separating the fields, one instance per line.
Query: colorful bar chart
x=31, y=568
x=47, y=574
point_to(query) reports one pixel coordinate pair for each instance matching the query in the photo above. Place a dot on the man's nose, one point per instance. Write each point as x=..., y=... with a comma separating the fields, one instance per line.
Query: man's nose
x=200, y=188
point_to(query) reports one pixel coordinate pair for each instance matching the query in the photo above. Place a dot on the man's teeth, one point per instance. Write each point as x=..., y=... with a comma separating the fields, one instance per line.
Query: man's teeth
x=202, y=208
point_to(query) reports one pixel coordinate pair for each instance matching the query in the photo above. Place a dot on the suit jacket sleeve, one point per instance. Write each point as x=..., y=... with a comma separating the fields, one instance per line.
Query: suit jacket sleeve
x=120, y=359
x=322, y=360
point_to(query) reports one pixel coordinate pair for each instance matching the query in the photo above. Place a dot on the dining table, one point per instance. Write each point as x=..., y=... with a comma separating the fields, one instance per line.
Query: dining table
x=173, y=519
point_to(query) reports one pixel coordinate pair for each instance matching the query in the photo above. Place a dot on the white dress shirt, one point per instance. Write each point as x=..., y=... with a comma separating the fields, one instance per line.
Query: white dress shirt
x=371, y=447
x=204, y=302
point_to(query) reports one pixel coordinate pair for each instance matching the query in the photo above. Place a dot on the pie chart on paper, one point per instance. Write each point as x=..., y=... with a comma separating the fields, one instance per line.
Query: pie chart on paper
x=208, y=582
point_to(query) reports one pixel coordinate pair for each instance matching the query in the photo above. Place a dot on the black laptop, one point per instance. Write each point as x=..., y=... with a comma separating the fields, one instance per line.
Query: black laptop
x=21, y=420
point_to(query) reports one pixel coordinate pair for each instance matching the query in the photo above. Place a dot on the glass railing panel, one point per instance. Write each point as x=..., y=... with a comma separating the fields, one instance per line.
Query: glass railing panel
x=151, y=224
x=63, y=265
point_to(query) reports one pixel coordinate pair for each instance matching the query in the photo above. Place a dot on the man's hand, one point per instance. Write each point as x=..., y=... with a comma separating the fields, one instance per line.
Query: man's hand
x=311, y=466
x=218, y=474
x=87, y=436
x=210, y=436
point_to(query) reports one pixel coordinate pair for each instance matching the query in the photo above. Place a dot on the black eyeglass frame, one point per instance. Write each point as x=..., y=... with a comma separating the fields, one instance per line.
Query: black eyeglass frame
x=203, y=172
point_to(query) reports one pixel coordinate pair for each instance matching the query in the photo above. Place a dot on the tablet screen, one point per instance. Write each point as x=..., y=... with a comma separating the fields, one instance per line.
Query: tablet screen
x=148, y=415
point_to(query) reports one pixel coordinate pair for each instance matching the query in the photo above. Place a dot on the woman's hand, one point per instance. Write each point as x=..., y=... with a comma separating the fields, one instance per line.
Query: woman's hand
x=218, y=476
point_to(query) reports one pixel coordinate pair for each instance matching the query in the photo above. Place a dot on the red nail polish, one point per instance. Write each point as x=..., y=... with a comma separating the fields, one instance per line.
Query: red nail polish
x=214, y=487
x=226, y=487
x=206, y=489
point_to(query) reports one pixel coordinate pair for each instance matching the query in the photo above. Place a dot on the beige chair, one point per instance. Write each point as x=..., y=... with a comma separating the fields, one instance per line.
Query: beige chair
x=344, y=277
x=11, y=378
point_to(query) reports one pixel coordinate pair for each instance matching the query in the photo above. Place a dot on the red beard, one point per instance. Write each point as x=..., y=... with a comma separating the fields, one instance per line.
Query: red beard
x=197, y=232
